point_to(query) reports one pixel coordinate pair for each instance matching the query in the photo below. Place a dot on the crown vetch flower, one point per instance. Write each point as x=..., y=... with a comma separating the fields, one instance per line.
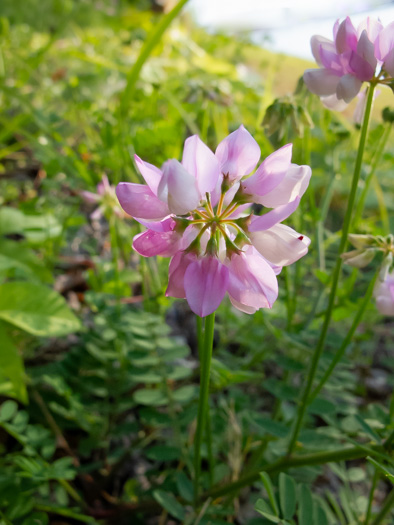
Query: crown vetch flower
x=356, y=55
x=105, y=198
x=198, y=212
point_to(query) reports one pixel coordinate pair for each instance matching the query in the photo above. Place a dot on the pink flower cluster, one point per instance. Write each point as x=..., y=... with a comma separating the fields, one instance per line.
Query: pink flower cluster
x=196, y=213
x=357, y=55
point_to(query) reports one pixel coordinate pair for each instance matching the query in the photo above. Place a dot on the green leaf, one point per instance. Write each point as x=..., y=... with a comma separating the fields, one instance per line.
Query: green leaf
x=11, y=368
x=382, y=469
x=7, y=410
x=163, y=453
x=150, y=397
x=287, y=495
x=11, y=220
x=36, y=309
x=185, y=393
x=305, y=513
x=184, y=486
x=18, y=256
x=270, y=491
x=265, y=510
x=169, y=502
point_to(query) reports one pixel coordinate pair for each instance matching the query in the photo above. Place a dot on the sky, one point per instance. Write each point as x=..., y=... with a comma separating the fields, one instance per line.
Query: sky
x=288, y=24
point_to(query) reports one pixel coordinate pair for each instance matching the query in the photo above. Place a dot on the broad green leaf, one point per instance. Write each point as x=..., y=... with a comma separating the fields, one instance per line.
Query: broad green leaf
x=185, y=486
x=305, y=512
x=169, y=502
x=163, y=453
x=287, y=495
x=184, y=393
x=11, y=220
x=36, y=309
x=270, y=491
x=11, y=368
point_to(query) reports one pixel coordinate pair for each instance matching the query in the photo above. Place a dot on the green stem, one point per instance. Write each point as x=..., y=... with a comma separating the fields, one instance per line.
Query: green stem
x=335, y=277
x=317, y=458
x=389, y=502
x=389, y=440
x=205, y=367
x=115, y=258
x=345, y=343
x=370, y=498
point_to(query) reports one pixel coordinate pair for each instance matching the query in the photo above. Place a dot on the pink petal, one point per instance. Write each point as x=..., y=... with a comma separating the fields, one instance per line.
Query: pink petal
x=317, y=42
x=178, y=188
x=359, y=67
x=201, y=162
x=270, y=173
x=176, y=273
x=333, y=103
x=372, y=26
x=151, y=243
x=151, y=174
x=321, y=81
x=272, y=218
x=205, y=282
x=280, y=244
x=104, y=186
x=252, y=281
x=238, y=154
x=384, y=43
x=243, y=307
x=292, y=186
x=331, y=60
x=90, y=197
x=348, y=87
x=366, y=50
x=384, y=294
x=165, y=225
x=97, y=214
x=346, y=37
x=138, y=201
x=389, y=63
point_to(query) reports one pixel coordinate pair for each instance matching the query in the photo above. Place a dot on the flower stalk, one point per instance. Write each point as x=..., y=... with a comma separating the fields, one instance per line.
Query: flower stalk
x=335, y=277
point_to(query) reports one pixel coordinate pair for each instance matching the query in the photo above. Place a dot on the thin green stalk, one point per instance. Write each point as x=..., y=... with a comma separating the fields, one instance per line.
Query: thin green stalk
x=389, y=502
x=335, y=277
x=115, y=257
x=389, y=440
x=317, y=458
x=368, y=180
x=208, y=436
x=205, y=367
x=345, y=343
x=370, y=498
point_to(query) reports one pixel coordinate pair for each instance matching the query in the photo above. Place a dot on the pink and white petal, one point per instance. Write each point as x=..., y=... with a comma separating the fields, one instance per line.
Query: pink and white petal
x=90, y=197
x=151, y=243
x=348, y=87
x=139, y=201
x=372, y=26
x=176, y=273
x=333, y=103
x=331, y=60
x=270, y=173
x=242, y=307
x=321, y=82
x=384, y=43
x=104, y=186
x=151, y=174
x=252, y=281
x=273, y=217
x=316, y=42
x=202, y=163
x=292, y=186
x=280, y=244
x=178, y=188
x=238, y=154
x=205, y=283
x=346, y=37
